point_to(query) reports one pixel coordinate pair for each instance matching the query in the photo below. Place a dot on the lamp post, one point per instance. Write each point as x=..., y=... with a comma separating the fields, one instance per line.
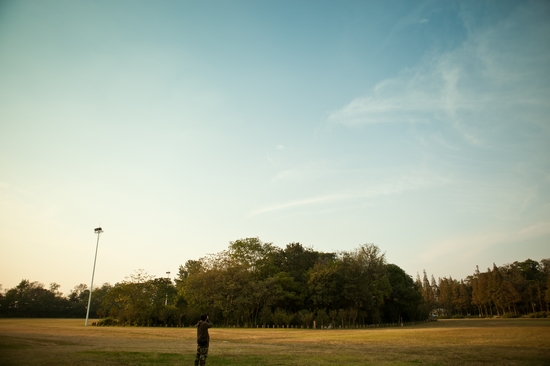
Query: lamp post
x=166, y=300
x=98, y=231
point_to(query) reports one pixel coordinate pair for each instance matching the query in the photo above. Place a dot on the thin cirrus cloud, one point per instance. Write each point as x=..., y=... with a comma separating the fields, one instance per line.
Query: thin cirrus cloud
x=400, y=185
x=428, y=93
x=477, y=82
x=472, y=244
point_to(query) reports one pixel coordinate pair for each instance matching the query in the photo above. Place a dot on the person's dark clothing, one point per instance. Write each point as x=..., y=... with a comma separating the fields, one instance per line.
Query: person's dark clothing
x=203, y=342
x=202, y=332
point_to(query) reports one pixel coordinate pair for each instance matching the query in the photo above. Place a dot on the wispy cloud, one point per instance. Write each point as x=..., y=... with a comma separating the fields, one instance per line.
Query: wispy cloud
x=423, y=95
x=303, y=202
x=478, y=82
x=471, y=245
x=393, y=187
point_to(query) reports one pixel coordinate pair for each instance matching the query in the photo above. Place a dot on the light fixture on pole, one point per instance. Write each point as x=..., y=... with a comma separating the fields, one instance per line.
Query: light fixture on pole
x=166, y=300
x=98, y=231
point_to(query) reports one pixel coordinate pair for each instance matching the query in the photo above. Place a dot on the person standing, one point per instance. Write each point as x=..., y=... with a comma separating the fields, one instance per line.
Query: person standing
x=203, y=340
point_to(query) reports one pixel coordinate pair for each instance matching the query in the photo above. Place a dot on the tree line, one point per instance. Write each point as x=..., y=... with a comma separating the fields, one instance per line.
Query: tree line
x=256, y=284
x=511, y=290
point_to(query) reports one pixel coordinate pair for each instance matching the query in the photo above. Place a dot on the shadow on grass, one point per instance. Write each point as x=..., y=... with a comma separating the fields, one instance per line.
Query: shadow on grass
x=30, y=342
x=134, y=358
x=144, y=358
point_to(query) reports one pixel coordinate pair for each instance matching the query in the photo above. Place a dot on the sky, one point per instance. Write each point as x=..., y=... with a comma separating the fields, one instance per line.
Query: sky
x=179, y=126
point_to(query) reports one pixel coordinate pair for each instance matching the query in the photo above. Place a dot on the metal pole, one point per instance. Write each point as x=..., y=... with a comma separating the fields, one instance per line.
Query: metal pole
x=97, y=231
x=166, y=300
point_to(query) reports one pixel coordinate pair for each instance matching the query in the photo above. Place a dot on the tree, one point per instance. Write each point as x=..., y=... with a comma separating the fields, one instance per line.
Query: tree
x=140, y=300
x=283, y=317
x=324, y=284
x=322, y=318
x=464, y=297
x=429, y=294
x=32, y=300
x=405, y=299
x=355, y=281
x=447, y=295
x=545, y=280
x=494, y=289
x=266, y=316
x=297, y=261
x=306, y=317
x=365, y=282
x=250, y=253
x=479, y=286
x=254, y=283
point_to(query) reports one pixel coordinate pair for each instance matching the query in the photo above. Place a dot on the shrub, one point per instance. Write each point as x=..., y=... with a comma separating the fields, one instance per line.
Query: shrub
x=540, y=314
x=510, y=315
x=107, y=322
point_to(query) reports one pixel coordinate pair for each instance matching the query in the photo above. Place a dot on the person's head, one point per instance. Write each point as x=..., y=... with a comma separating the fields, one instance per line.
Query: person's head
x=203, y=317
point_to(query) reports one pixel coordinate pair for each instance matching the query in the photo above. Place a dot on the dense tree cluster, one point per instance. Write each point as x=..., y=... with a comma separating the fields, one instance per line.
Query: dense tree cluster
x=253, y=283
x=515, y=289
x=257, y=284
x=33, y=300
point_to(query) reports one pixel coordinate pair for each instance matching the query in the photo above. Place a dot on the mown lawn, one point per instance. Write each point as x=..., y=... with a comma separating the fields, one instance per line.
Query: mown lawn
x=446, y=342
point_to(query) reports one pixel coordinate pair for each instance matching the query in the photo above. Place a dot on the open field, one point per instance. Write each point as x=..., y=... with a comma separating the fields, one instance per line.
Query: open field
x=446, y=342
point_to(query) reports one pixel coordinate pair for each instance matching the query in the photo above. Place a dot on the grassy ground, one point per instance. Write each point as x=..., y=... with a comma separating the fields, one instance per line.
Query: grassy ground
x=446, y=342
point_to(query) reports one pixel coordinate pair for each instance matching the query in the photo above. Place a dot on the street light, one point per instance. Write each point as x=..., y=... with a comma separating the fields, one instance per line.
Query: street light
x=166, y=300
x=97, y=231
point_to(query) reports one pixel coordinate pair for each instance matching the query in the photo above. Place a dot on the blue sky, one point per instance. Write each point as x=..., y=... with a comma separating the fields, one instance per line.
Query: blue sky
x=179, y=126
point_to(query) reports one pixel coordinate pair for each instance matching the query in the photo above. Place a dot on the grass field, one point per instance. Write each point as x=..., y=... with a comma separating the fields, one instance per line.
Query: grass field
x=446, y=342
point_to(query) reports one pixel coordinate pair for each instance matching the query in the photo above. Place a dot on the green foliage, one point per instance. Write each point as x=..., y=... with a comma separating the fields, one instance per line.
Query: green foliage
x=266, y=316
x=306, y=318
x=142, y=300
x=107, y=322
x=254, y=284
x=405, y=302
x=540, y=314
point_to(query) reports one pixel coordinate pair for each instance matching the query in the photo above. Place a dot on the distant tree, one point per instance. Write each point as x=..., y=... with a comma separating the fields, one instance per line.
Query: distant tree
x=333, y=315
x=3, y=307
x=306, y=317
x=297, y=261
x=477, y=291
x=545, y=280
x=435, y=289
x=251, y=254
x=405, y=299
x=140, y=299
x=464, y=298
x=78, y=300
x=266, y=316
x=365, y=282
x=98, y=294
x=322, y=318
x=429, y=294
x=324, y=283
x=454, y=296
x=31, y=300
x=494, y=289
x=283, y=317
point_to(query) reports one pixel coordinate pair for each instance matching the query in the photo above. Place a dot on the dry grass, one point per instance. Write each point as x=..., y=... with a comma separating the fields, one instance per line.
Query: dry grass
x=446, y=342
